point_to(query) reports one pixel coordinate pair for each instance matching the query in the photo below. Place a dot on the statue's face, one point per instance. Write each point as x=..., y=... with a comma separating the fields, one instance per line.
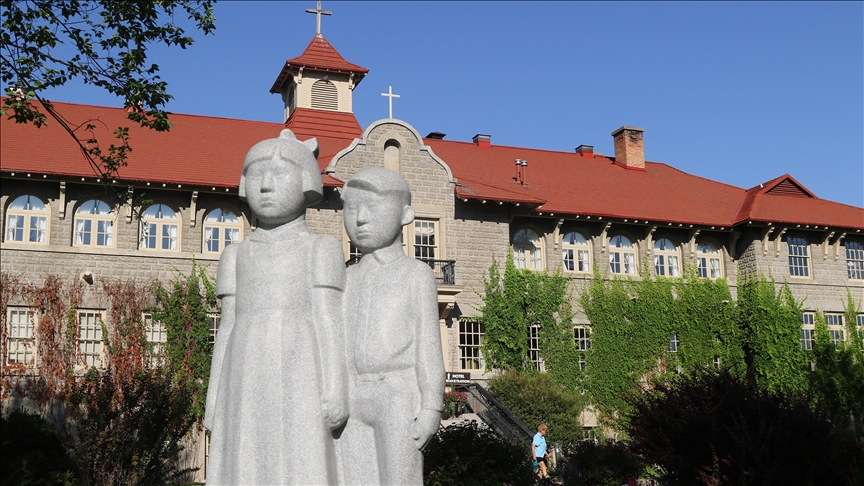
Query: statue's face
x=373, y=220
x=274, y=191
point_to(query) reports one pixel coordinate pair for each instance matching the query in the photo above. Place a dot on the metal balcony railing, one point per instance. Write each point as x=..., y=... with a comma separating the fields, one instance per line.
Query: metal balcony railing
x=444, y=270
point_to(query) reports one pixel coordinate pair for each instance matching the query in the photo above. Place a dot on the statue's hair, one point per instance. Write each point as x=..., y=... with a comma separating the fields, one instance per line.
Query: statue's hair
x=287, y=148
x=381, y=181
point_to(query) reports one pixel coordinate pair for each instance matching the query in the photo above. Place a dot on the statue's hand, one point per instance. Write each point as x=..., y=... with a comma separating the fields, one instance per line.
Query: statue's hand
x=424, y=427
x=335, y=410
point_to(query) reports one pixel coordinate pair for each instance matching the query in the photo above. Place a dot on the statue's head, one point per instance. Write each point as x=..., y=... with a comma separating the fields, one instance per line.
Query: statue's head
x=376, y=205
x=281, y=178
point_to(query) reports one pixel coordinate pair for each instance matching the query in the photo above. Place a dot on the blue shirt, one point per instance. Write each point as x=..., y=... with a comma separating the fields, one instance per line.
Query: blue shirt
x=539, y=445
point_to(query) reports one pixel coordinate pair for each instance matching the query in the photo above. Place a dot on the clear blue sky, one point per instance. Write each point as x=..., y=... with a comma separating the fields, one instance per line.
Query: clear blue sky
x=737, y=92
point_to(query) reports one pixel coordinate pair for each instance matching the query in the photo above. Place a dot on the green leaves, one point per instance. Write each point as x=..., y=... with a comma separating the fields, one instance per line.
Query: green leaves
x=47, y=43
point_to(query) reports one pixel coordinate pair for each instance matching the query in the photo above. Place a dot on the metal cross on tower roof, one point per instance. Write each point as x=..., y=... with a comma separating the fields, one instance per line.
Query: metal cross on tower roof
x=390, y=95
x=318, y=13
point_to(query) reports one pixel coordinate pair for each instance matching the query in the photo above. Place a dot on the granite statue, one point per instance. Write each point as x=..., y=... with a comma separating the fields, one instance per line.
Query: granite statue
x=278, y=381
x=393, y=342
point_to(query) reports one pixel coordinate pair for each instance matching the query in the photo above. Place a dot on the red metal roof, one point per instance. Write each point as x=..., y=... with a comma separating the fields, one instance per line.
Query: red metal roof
x=209, y=151
x=198, y=150
x=306, y=122
x=319, y=54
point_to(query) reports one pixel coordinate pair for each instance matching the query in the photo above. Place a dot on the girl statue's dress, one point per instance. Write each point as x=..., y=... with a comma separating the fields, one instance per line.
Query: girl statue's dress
x=269, y=427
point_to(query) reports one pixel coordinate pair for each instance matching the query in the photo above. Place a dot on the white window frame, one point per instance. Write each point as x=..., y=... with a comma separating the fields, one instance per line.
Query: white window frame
x=709, y=260
x=156, y=335
x=808, y=330
x=667, y=262
x=534, y=355
x=103, y=224
x=622, y=258
x=32, y=225
x=213, y=321
x=798, y=247
x=162, y=222
x=855, y=260
x=21, y=346
x=471, y=334
x=836, y=327
x=582, y=340
x=424, y=245
x=576, y=254
x=528, y=251
x=226, y=232
x=90, y=339
x=859, y=326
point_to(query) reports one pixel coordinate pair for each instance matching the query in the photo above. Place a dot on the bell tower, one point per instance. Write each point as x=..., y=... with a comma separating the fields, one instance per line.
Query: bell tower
x=318, y=79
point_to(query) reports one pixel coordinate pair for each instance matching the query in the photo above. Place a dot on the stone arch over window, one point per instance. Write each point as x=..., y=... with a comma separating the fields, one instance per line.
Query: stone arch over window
x=222, y=226
x=576, y=252
x=528, y=249
x=160, y=228
x=622, y=255
x=709, y=259
x=325, y=96
x=667, y=258
x=392, y=155
x=27, y=218
x=94, y=224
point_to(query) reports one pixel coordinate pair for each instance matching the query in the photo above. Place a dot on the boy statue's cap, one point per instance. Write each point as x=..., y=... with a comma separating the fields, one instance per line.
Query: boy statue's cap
x=380, y=181
x=302, y=155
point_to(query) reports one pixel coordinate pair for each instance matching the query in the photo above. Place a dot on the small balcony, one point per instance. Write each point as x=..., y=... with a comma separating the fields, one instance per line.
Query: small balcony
x=444, y=270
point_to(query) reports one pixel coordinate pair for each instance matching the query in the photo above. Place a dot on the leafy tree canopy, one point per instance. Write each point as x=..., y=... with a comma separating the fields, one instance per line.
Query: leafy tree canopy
x=46, y=43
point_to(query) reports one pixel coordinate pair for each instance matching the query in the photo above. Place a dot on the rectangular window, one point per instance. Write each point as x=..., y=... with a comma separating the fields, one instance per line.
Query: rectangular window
x=425, y=242
x=470, y=340
x=808, y=332
x=835, y=328
x=673, y=343
x=534, y=348
x=213, y=320
x=15, y=228
x=169, y=236
x=859, y=321
x=90, y=338
x=157, y=336
x=20, y=335
x=799, y=262
x=577, y=260
x=582, y=340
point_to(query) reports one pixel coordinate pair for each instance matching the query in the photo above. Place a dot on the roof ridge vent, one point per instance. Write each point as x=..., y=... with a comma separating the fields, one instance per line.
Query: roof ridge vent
x=436, y=135
x=585, y=150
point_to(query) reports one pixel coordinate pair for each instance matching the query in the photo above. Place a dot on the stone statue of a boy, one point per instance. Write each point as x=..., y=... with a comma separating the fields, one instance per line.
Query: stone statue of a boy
x=393, y=345
x=277, y=382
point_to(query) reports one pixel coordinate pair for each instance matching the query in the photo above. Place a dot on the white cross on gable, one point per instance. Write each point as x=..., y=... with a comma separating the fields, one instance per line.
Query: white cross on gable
x=318, y=13
x=390, y=95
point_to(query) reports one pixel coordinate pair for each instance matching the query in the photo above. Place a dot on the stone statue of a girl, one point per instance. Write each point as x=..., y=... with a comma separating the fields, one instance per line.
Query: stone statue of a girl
x=277, y=386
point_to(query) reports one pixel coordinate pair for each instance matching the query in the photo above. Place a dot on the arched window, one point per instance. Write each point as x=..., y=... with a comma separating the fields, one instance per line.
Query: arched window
x=622, y=255
x=221, y=228
x=94, y=224
x=666, y=258
x=325, y=95
x=576, y=253
x=391, y=156
x=27, y=220
x=855, y=259
x=159, y=228
x=708, y=260
x=527, y=250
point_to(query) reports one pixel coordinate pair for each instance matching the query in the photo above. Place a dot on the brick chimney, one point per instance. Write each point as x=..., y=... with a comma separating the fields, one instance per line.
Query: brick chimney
x=629, y=149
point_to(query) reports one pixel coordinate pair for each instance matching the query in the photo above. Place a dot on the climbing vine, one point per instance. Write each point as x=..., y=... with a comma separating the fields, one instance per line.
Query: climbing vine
x=521, y=299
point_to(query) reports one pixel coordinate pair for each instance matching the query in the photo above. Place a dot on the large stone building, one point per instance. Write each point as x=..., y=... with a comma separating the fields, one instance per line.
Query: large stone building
x=474, y=200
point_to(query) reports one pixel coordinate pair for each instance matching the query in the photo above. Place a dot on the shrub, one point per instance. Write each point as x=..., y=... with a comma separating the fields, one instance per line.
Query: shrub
x=588, y=463
x=32, y=452
x=467, y=455
x=536, y=398
x=714, y=428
